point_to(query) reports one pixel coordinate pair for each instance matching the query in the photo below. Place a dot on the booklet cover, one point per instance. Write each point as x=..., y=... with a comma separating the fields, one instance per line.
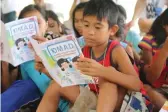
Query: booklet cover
x=15, y=43
x=59, y=56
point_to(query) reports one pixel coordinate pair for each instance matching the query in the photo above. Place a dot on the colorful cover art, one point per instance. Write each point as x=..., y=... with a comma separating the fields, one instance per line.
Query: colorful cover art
x=59, y=57
x=18, y=34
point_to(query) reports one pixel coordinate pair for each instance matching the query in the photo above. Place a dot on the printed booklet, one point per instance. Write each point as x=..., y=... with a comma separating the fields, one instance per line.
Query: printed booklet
x=59, y=56
x=14, y=43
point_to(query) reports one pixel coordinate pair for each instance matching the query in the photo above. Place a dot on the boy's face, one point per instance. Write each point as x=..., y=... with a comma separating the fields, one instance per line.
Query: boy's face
x=41, y=21
x=96, y=32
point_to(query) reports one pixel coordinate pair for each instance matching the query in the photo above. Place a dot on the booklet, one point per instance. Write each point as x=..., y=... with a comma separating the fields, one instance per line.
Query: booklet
x=14, y=44
x=59, y=56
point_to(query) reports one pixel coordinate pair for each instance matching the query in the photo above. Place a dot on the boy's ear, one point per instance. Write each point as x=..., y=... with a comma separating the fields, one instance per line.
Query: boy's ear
x=113, y=30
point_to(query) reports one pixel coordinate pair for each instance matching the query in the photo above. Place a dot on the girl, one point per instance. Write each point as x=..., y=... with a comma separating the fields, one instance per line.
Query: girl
x=27, y=69
x=77, y=22
x=154, y=47
x=55, y=27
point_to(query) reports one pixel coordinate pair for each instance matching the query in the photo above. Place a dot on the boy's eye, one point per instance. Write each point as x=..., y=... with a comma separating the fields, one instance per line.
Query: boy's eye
x=86, y=25
x=98, y=28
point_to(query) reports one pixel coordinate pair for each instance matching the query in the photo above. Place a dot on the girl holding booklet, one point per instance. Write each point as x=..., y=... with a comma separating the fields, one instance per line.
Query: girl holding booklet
x=28, y=69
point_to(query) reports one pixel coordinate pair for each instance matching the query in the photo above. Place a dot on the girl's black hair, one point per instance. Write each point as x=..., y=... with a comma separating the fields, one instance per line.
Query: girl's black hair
x=80, y=6
x=121, y=22
x=60, y=61
x=157, y=30
x=32, y=8
x=51, y=14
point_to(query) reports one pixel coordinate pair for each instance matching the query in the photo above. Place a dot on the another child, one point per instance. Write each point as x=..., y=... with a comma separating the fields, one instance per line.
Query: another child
x=77, y=22
x=155, y=55
x=27, y=69
x=100, y=22
x=55, y=27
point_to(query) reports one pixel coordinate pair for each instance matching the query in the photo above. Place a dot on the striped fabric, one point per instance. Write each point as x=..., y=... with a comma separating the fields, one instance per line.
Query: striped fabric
x=149, y=43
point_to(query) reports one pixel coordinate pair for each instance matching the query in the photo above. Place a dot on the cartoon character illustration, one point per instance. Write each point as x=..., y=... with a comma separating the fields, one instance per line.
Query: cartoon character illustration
x=67, y=68
x=20, y=43
x=64, y=64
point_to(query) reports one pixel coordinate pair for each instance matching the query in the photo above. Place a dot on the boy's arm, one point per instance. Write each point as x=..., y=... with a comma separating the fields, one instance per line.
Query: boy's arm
x=127, y=77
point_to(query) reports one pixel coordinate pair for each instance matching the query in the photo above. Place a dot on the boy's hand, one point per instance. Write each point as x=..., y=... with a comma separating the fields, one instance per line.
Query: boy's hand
x=90, y=67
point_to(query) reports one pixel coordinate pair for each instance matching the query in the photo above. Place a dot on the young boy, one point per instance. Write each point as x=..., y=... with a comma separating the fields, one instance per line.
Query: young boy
x=113, y=69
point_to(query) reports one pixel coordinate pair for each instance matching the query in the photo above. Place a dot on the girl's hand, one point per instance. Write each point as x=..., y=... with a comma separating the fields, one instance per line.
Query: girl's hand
x=90, y=67
x=40, y=67
x=39, y=39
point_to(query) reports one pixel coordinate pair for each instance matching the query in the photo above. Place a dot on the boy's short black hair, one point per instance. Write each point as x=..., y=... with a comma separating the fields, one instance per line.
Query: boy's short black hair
x=32, y=8
x=102, y=9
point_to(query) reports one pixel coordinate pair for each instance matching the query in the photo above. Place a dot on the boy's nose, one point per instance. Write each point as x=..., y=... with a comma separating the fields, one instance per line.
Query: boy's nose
x=91, y=32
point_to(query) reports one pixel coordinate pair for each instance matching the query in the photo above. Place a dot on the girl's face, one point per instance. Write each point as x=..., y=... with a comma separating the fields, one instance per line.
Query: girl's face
x=41, y=21
x=54, y=27
x=79, y=21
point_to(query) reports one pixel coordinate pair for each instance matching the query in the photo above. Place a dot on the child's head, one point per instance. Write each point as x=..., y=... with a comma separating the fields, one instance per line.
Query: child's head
x=159, y=29
x=100, y=21
x=34, y=10
x=121, y=22
x=54, y=24
x=20, y=43
x=64, y=64
x=77, y=19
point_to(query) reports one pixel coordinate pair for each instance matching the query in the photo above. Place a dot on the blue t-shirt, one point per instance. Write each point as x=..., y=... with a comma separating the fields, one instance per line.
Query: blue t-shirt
x=29, y=72
x=134, y=39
